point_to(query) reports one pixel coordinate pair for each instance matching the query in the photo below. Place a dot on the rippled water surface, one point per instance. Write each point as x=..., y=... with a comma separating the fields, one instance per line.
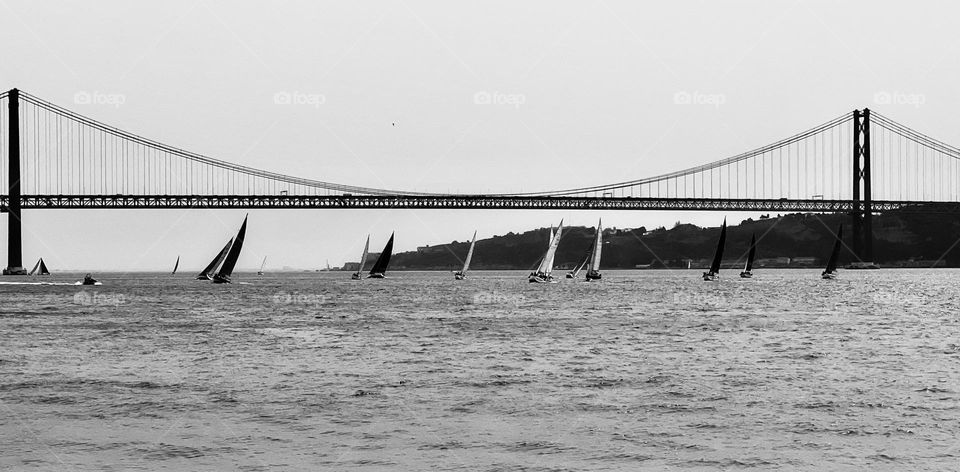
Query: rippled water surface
x=644, y=370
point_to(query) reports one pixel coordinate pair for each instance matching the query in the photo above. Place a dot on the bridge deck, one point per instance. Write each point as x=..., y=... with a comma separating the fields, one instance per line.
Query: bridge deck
x=457, y=202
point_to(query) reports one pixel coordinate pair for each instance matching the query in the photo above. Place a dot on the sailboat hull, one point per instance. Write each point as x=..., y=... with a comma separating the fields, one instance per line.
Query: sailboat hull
x=710, y=276
x=541, y=279
x=828, y=275
x=355, y=277
x=221, y=279
x=376, y=276
x=746, y=275
x=204, y=277
x=459, y=276
x=594, y=275
x=571, y=276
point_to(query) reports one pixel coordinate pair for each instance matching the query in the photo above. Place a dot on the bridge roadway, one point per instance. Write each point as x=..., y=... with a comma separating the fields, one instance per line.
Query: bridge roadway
x=499, y=202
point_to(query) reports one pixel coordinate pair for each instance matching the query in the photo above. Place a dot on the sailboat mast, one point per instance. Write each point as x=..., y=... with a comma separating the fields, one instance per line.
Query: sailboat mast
x=835, y=254
x=466, y=262
x=363, y=256
x=547, y=266
x=718, y=256
x=230, y=262
x=597, y=247
x=380, y=266
x=752, y=254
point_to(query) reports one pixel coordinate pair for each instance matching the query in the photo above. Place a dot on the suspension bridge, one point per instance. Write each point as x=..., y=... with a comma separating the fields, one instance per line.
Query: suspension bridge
x=858, y=163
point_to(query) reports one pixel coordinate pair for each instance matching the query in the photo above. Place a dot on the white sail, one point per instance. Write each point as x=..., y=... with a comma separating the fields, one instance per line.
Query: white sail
x=363, y=258
x=466, y=263
x=546, y=267
x=597, y=247
x=263, y=264
x=580, y=267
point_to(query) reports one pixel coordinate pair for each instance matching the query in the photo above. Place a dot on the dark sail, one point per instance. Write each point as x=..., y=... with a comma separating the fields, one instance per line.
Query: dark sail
x=212, y=266
x=832, y=262
x=752, y=254
x=175, y=266
x=380, y=267
x=43, y=268
x=718, y=256
x=226, y=270
x=35, y=266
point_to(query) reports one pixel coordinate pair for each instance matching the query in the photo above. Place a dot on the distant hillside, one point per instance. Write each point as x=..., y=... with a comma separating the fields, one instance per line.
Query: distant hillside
x=901, y=239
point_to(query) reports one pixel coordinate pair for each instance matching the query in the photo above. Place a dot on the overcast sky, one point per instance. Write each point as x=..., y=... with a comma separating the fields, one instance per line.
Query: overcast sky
x=485, y=97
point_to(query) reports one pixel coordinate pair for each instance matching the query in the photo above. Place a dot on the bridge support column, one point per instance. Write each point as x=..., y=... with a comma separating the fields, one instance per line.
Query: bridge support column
x=14, y=243
x=862, y=213
x=856, y=214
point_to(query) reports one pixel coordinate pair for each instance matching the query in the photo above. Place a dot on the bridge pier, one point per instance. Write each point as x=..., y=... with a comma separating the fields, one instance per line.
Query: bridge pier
x=14, y=243
x=862, y=214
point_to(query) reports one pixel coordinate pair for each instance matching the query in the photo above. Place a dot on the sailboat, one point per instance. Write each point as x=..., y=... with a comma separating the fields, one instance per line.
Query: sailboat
x=593, y=273
x=746, y=274
x=576, y=270
x=363, y=260
x=379, y=269
x=226, y=270
x=549, y=242
x=830, y=272
x=175, y=265
x=208, y=271
x=462, y=273
x=544, y=271
x=40, y=265
x=260, y=272
x=714, y=273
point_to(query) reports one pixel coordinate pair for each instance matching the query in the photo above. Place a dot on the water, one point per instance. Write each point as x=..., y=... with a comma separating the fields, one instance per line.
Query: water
x=643, y=371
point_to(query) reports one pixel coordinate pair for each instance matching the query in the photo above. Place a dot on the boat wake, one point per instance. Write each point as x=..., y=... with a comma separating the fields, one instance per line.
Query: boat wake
x=36, y=283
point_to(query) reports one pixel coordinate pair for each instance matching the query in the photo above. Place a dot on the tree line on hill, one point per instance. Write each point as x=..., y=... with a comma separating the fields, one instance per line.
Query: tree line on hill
x=900, y=239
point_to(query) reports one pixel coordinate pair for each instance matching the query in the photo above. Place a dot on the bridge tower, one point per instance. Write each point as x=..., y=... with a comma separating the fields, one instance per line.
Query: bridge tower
x=862, y=213
x=14, y=243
